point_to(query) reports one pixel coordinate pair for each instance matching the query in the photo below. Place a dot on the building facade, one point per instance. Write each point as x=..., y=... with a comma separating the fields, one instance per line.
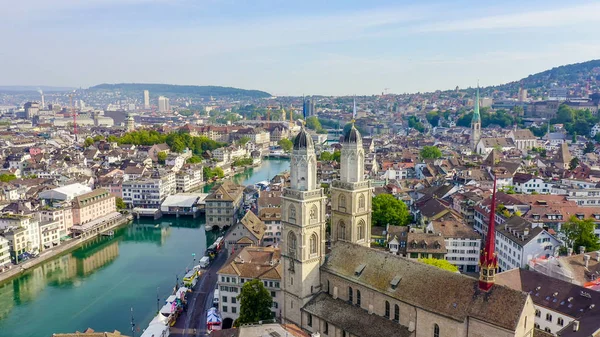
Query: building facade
x=223, y=204
x=92, y=206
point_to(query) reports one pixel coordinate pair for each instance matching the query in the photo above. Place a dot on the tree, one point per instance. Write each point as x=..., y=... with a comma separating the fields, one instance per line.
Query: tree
x=162, y=157
x=573, y=163
x=389, y=210
x=442, y=264
x=98, y=138
x=285, y=144
x=313, y=123
x=433, y=117
x=326, y=156
x=219, y=172
x=255, y=303
x=89, y=141
x=207, y=173
x=580, y=232
x=7, y=177
x=120, y=203
x=589, y=147
x=242, y=141
x=430, y=152
x=337, y=155
x=194, y=160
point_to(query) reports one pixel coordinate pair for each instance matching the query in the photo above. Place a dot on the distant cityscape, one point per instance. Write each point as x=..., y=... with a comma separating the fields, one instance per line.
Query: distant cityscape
x=466, y=212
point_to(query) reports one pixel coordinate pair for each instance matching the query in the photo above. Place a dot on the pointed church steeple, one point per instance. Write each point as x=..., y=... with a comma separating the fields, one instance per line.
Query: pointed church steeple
x=488, y=261
x=476, y=123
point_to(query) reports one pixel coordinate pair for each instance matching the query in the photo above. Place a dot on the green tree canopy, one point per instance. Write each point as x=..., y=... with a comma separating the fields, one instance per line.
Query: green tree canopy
x=389, y=210
x=326, y=156
x=589, y=147
x=580, y=232
x=442, y=264
x=89, y=141
x=243, y=140
x=194, y=160
x=313, y=123
x=285, y=144
x=162, y=157
x=120, y=203
x=573, y=163
x=255, y=303
x=433, y=117
x=430, y=152
x=4, y=177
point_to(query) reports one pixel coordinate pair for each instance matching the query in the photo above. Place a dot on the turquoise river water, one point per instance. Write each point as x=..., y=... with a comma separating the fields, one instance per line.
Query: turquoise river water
x=97, y=285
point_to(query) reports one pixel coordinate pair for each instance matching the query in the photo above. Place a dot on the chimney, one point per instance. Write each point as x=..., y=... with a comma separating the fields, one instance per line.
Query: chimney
x=576, y=326
x=581, y=249
x=335, y=293
x=526, y=232
x=586, y=258
x=598, y=256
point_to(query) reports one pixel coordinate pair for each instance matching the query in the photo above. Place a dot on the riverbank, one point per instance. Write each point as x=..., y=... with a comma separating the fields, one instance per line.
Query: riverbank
x=57, y=251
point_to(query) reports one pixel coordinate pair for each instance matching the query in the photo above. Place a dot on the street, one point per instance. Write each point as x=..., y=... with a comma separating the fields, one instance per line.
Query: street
x=199, y=301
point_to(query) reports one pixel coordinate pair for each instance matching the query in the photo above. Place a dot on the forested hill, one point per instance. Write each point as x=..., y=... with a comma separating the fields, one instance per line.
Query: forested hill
x=182, y=90
x=568, y=76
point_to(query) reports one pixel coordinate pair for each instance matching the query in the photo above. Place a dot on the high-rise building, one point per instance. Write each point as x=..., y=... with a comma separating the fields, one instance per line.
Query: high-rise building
x=476, y=124
x=146, y=99
x=308, y=107
x=163, y=104
x=130, y=123
x=31, y=109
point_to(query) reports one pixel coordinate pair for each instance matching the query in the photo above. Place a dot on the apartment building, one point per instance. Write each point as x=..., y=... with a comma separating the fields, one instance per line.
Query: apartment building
x=271, y=217
x=149, y=192
x=262, y=263
x=223, y=204
x=31, y=231
x=589, y=196
x=92, y=206
x=189, y=179
x=50, y=234
x=518, y=242
x=463, y=244
x=527, y=184
x=61, y=213
x=4, y=252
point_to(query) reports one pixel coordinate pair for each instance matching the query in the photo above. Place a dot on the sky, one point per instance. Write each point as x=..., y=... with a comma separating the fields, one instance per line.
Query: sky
x=287, y=47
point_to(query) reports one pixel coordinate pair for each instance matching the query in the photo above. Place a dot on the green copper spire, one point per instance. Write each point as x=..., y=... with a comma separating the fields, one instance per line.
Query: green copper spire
x=476, y=116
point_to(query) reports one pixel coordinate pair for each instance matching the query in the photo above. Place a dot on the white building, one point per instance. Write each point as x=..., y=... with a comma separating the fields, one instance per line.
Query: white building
x=523, y=139
x=163, y=104
x=262, y=263
x=527, y=184
x=64, y=216
x=189, y=179
x=4, y=253
x=584, y=196
x=517, y=243
x=149, y=192
x=561, y=308
x=65, y=193
x=228, y=154
x=146, y=99
x=28, y=223
x=486, y=145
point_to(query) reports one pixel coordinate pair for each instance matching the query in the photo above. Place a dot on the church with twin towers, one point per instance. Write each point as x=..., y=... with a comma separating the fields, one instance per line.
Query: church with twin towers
x=352, y=289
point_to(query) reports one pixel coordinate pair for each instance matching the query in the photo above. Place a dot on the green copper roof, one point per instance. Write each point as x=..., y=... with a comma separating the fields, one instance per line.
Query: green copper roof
x=476, y=116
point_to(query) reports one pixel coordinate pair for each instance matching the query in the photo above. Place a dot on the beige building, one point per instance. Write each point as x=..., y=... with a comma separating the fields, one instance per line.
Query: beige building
x=4, y=252
x=223, y=204
x=92, y=206
x=362, y=292
x=523, y=139
x=262, y=263
x=50, y=234
x=249, y=231
x=62, y=214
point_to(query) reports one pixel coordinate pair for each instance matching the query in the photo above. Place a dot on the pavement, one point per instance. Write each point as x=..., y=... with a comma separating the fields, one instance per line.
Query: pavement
x=192, y=323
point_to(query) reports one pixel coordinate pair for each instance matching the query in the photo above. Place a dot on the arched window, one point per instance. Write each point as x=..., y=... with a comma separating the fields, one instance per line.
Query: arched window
x=326, y=328
x=358, y=297
x=341, y=230
x=350, y=297
x=560, y=321
x=538, y=313
x=396, y=313
x=313, y=213
x=360, y=230
x=342, y=202
x=292, y=244
x=292, y=214
x=549, y=317
x=547, y=329
x=361, y=202
x=436, y=330
x=314, y=239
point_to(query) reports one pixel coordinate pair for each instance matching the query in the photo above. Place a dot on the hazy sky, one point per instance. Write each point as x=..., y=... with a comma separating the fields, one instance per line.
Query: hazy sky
x=338, y=47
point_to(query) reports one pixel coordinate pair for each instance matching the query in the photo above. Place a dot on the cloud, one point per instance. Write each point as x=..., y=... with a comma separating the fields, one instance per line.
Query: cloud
x=557, y=17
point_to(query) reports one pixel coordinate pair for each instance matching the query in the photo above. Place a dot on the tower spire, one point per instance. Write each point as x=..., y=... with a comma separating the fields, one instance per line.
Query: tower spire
x=488, y=261
x=354, y=110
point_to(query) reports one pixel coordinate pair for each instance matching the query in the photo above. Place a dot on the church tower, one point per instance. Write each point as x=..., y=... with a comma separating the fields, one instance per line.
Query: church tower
x=303, y=218
x=488, y=260
x=351, y=195
x=130, y=123
x=476, y=124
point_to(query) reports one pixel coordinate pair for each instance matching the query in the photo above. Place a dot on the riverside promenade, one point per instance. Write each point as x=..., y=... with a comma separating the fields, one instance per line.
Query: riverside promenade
x=63, y=248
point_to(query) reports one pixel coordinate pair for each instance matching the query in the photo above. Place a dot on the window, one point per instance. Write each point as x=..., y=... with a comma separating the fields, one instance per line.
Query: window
x=350, y=295
x=538, y=313
x=224, y=309
x=361, y=202
x=233, y=300
x=387, y=309
x=292, y=245
x=292, y=214
x=547, y=330
x=396, y=313
x=549, y=317
x=224, y=299
x=233, y=310
x=313, y=244
x=436, y=330
x=272, y=294
x=360, y=230
x=535, y=325
x=326, y=328
x=341, y=230
x=560, y=321
x=358, y=297
x=342, y=202
x=309, y=320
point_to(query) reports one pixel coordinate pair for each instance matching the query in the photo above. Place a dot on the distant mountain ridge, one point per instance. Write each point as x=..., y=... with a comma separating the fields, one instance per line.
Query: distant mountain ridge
x=24, y=88
x=183, y=90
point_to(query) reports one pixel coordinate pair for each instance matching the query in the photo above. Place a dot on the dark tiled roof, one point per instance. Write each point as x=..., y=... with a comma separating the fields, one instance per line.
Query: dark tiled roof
x=303, y=140
x=433, y=289
x=352, y=319
x=516, y=228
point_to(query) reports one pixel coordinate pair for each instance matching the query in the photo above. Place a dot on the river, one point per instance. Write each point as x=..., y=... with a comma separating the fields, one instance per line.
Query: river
x=97, y=285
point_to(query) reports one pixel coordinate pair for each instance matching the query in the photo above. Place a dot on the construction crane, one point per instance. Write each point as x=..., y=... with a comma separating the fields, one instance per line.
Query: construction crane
x=73, y=113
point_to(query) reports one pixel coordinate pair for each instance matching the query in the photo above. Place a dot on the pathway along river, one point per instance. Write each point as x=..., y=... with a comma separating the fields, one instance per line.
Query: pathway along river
x=97, y=285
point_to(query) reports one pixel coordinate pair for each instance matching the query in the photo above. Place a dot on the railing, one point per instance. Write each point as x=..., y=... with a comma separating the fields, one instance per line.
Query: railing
x=351, y=186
